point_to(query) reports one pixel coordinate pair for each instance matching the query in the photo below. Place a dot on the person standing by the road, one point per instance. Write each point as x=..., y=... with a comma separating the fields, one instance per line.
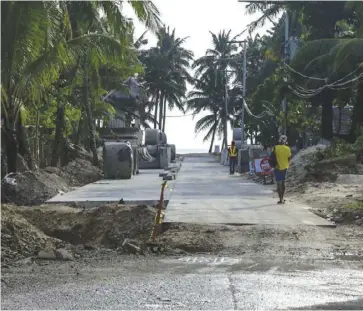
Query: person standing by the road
x=282, y=154
x=232, y=155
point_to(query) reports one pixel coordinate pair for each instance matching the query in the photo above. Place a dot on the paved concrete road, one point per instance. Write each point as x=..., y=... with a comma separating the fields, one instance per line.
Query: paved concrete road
x=198, y=283
x=205, y=193
x=141, y=189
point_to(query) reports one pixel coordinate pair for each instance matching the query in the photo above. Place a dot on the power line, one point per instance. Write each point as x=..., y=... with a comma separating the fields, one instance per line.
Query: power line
x=301, y=92
x=308, y=93
x=260, y=116
x=267, y=112
x=304, y=76
x=183, y=115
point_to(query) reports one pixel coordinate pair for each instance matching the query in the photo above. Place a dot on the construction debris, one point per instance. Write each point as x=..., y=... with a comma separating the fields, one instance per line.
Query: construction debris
x=35, y=187
x=20, y=239
x=52, y=232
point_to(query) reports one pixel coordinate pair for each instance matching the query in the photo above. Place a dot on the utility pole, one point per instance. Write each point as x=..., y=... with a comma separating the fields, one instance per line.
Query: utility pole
x=284, y=102
x=244, y=92
x=244, y=83
x=225, y=130
x=226, y=108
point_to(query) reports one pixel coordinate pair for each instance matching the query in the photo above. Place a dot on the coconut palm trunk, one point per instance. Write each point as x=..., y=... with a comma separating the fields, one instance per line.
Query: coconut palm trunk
x=161, y=109
x=156, y=110
x=327, y=116
x=164, y=114
x=79, y=128
x=213, y=136
x=88, y=109
x=22, y=139
x=11, y=146
x=58, y=139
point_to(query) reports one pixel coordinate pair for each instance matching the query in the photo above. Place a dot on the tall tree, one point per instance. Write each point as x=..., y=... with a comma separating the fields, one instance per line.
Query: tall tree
x=166, y=73
x=43, y=64
x=216, y=63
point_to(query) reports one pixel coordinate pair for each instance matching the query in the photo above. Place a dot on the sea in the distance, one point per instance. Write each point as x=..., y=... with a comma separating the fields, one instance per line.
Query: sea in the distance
x=186, y=151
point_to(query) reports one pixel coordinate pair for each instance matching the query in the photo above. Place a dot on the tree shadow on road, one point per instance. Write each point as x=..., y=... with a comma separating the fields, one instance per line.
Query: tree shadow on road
x=342, y=305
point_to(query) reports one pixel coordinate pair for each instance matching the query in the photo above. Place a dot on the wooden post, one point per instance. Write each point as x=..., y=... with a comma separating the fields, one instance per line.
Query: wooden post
x=158, y=214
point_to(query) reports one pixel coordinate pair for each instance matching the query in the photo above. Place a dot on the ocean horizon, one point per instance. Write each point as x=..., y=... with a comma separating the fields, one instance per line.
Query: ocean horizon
x=192, y=150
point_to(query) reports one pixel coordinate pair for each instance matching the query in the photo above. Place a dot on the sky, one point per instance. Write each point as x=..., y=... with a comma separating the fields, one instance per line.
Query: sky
x=195, y=19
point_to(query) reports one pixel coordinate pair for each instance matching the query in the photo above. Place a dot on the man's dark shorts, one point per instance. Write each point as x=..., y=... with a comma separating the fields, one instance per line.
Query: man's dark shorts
x=280, y=175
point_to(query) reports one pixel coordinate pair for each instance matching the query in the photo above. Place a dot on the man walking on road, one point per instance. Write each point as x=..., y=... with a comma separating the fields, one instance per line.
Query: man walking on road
x=232, y=155
x=281, y=157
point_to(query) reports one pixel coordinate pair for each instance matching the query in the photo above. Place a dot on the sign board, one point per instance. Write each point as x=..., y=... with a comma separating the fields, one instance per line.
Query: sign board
x=262, y=166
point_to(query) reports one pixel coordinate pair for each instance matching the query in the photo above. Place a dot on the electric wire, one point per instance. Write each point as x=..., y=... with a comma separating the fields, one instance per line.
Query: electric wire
x=336, y=85
x=183, y=115
x=304, y=76
x=308, y=93
x=299, y=91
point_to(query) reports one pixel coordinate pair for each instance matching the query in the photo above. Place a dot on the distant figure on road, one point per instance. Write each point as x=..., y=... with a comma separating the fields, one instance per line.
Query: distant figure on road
x=232, y=155
x=282, y=156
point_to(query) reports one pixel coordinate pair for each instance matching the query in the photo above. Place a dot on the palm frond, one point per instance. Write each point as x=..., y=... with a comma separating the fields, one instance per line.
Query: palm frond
x=148, y=13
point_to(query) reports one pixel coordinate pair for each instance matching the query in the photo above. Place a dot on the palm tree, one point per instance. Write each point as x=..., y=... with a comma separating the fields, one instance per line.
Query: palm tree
x=208, y=95
x=325, y=57
x=166, y=73
x=32, y=51
x=40, y=57
x=270, y=10
x=215, y=64
x=220, y=56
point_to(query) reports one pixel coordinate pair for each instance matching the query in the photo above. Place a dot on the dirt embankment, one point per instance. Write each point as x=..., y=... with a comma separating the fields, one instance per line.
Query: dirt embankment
x=27, y=231
x=35, y=187
x=326, y=180
x=330, y=181
x=331, y=184
x=33, y=234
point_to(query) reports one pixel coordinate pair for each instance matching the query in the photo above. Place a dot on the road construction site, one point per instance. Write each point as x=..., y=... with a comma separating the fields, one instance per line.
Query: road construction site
x=224, y=244
x=199, y=192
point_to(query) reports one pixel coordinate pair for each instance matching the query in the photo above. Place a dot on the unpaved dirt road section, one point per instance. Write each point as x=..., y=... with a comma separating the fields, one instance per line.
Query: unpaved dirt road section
x=185, y=283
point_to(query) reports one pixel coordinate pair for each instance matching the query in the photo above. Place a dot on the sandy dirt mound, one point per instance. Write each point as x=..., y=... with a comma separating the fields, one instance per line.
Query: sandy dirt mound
x=192, y=238
x=106, y=225
x=301, y=160
x=332, y=187
x=20, y=239
x=27, y=230
x=81, y=172
x=341, y=203
x=77, y=173
x=33, y=187
x=36, y=187
x=262, y=241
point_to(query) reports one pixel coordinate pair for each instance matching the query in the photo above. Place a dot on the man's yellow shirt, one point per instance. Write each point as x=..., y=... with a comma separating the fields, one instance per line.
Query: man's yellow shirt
x=283, y=153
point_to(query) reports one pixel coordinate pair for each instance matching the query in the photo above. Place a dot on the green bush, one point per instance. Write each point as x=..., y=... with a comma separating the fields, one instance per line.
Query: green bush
x=337, y=148
x=358, y=145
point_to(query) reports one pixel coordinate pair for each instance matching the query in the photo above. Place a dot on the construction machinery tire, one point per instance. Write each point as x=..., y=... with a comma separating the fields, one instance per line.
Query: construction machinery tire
x=153, y=150
x=237, y=134
x=164, y=139
x=152, y=137
x=145, y=155
x=118, y=160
